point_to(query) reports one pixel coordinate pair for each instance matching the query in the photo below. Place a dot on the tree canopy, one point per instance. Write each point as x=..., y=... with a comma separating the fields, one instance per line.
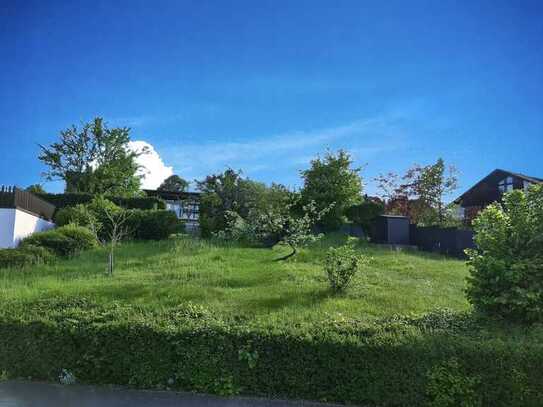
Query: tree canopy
x=174, y=183
x=93, y=159
x=331, y=182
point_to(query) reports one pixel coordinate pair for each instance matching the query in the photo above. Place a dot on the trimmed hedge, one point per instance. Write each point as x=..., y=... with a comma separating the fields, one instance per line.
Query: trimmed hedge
x=72, y=199
x=153, y=225
x=434, y=360
x=63, y=241
x=24, y=256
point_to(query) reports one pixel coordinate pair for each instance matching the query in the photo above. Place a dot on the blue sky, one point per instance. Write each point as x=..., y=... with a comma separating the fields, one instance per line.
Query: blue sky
x=264, y=86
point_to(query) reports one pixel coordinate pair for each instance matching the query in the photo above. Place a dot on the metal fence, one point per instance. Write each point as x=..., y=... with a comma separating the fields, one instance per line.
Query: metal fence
x=451, y=241
x=12, y=197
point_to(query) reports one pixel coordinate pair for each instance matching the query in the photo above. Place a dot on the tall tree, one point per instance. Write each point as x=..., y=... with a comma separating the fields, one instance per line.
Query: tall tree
x=431, y=184
x=223, y=193
x=94, y=159
x=174, y=183
x=331, y=182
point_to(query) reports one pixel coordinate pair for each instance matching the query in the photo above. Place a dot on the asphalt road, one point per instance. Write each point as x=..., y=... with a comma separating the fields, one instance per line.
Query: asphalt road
x=37, y=394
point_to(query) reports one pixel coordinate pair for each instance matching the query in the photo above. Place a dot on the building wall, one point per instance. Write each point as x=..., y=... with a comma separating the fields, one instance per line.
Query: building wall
x=7, y=225
x=16, y=224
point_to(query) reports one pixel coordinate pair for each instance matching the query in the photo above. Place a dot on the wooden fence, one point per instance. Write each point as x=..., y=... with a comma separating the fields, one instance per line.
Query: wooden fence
x=12, y=197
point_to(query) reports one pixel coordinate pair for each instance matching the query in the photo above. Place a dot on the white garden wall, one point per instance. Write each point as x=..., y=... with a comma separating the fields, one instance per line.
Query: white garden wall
x=16, y=224
x=7, y=226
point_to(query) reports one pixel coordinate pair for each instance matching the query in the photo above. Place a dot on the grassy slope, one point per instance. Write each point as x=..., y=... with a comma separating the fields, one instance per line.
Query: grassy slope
x=243, y=281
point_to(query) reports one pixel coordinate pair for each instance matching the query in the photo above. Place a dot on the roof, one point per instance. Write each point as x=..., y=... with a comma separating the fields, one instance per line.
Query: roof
x=535, y=180
x=175, y=195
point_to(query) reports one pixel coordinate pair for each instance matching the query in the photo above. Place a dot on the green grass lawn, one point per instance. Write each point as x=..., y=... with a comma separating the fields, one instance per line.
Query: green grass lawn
x=247, y=282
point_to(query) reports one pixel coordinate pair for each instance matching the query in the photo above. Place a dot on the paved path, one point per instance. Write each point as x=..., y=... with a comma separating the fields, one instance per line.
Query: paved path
x=37, y=394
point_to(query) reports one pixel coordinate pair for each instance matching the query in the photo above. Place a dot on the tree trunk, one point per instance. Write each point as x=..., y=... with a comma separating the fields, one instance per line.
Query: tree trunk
x=288, y=255
x=110, y=263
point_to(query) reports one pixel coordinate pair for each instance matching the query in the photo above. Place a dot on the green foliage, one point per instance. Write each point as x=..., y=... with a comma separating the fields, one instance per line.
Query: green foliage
x=365, y=213
x=101, y=215
x=79, y=215
x=24, y=256
x=152, y=225
x=228, y=193
x=73, y=199
x=332, y=183
x=35, y=189
x=272, y=224
x=63, y=241
x=507, y=265
x=340, y=265
x=429, y=185
x=174, y=183
x=450, y=386
x=382, y=363
x=94, y=159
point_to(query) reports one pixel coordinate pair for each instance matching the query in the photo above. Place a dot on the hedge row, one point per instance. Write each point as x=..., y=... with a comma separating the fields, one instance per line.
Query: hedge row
x=394, y=363
x=72, y=199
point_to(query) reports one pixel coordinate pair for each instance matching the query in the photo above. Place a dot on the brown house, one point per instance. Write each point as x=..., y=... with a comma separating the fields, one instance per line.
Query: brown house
x=490, y=189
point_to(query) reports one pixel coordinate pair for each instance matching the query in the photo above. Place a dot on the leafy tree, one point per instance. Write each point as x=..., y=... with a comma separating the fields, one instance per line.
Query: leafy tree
x=388, y=186
x=364, y=214
x=93, y=159
x=174, y=183
x=430, y=185
x=279, y=225
x=222, y=193
x=332, y=180
x=507, y=265
x=36, y=189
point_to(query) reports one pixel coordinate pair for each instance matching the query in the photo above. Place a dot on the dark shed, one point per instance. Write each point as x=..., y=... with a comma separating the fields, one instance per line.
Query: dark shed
x=391, y=229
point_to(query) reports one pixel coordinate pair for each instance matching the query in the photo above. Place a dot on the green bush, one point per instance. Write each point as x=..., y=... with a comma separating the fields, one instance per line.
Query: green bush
x=63, y=241
x=191, y=349
x=78, y=215
x=24, y=256
x=365, y=213
x=153, y=225
x=507, y=264
x=340, y=265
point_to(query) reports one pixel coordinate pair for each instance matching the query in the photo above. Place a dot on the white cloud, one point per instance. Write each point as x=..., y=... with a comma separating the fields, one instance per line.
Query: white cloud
x=274, y=156
x=153, y=169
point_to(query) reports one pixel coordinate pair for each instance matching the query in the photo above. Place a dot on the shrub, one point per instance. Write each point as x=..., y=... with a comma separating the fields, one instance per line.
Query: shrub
x=363, y=214
x=78, y=215
x=153, y=225
x=24, y=256
x=63, y=241
x=340, y=265
x=507, y=265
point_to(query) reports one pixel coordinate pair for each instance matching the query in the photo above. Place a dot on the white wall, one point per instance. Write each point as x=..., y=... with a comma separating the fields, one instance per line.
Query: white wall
x=7, y=226
x=16, y=224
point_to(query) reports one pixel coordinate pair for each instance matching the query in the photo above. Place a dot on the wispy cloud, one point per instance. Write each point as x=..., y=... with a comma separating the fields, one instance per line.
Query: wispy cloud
x=274, y=156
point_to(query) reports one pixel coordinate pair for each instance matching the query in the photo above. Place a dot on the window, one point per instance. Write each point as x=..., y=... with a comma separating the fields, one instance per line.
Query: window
x=506, y=184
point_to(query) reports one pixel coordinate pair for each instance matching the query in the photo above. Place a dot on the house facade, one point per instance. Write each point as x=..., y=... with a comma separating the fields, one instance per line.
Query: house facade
x=186, y=206
x=22, y=214
x=491, y=189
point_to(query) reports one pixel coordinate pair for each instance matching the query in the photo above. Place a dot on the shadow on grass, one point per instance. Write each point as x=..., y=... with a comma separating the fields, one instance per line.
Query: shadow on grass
x=290, y=299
